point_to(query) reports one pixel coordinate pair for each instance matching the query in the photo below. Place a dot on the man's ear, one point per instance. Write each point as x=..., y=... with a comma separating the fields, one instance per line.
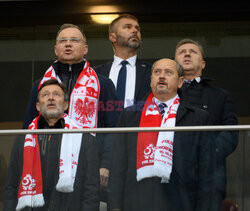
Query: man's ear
x=180, y=82
x=203, y=64
x=66, y=105
x=55, y=50
x=86, y=49
x=112, y=37
x=38, y=106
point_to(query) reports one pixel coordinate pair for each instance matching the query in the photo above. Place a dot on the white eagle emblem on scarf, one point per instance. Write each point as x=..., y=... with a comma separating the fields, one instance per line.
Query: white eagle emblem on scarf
x=85, y=110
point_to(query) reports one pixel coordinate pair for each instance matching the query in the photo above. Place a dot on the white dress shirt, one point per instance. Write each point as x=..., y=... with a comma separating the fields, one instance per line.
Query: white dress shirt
x=168, y=103
x=130, y=80
x=198, y=79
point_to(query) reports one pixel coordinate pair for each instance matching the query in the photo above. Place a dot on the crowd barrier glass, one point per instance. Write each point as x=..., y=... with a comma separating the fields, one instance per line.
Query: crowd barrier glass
x=186, y=147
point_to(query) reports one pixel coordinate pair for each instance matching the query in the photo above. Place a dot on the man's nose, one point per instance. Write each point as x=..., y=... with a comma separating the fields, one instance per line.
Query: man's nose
x=51, y=97
x=68, y=42
x=162, y=76
x=135, y=30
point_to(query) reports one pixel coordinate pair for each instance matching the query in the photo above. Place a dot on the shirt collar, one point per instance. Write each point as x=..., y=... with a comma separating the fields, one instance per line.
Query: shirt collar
x=131, y=60
x=168, y=102
x=198, y=79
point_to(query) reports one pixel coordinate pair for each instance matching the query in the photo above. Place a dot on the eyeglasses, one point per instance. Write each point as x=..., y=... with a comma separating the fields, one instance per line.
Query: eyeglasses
x=72, y=40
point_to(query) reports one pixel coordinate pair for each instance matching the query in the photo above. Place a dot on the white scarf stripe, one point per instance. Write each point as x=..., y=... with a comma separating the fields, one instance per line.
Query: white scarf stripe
x=70, y=149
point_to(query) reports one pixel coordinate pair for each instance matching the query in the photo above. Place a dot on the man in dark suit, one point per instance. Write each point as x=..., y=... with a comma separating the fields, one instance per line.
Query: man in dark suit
x=132, y=82
x=170, y=171
x=216, y=101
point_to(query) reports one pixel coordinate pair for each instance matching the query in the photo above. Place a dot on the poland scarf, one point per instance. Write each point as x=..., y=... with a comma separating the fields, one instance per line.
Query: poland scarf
x=83, y=103
x=31, y=185
x=155, y=150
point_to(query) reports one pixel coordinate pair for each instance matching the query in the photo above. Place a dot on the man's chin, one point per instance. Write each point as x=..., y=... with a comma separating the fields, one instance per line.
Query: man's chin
x=162, y=91
x=187, y=68
x=67, y=59
x=52, y=114
x=134, y=45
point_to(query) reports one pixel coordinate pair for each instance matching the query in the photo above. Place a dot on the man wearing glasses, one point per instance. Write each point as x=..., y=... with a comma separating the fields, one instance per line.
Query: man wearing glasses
x=86, y=90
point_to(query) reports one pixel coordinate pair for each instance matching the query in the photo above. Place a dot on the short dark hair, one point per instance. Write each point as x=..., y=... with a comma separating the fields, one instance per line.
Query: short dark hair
x=53, y=82
x=70, y=25
x=187, y=41
x=113, y=23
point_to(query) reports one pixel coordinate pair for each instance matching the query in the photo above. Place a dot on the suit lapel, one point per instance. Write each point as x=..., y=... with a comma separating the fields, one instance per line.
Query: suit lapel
x=106, y=69
x=140, y=76
x=180, y=113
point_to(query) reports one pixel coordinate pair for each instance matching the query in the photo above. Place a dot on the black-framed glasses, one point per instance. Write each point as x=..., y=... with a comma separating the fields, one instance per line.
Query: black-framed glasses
x=71, y=39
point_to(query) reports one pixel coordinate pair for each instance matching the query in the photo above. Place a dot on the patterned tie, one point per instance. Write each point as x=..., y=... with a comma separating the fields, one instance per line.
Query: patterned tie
x=121, y=82
x=162, y=107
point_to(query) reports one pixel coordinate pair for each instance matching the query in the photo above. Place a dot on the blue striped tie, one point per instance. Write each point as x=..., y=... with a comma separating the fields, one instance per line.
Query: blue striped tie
x=162, y=107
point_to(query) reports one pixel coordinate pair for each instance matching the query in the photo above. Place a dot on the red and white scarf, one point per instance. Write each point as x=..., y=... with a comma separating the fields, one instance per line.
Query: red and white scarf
x=155, y=150
x=83, y=103
x=30, y=191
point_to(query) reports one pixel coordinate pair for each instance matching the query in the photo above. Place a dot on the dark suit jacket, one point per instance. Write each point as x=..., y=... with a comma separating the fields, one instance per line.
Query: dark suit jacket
x=190, y=186
x=218, y=103
x=87, y=182
x=143, y=73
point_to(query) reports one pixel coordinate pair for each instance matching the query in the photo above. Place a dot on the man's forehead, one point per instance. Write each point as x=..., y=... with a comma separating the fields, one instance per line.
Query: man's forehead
x=189, y=46
x=128, y=21
x=70, y=32
x=51, y=88
x=167, y=64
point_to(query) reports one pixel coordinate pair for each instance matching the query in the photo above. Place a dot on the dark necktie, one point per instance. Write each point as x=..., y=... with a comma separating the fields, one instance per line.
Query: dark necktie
x=187, y=83
x=121, y=82
x=162, y=107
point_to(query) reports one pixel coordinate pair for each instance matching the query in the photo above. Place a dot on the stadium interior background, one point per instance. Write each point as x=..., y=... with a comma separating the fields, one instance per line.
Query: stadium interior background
x=27, y=37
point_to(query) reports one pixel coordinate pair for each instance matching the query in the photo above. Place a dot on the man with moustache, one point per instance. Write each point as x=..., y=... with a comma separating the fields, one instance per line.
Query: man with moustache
x=53, y=172
x=199, y=92
x=86, y=90
x=130, y=75
x=170, y=171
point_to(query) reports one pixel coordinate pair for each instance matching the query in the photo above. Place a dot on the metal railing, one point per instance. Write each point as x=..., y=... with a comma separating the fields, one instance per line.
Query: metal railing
x=127, y=129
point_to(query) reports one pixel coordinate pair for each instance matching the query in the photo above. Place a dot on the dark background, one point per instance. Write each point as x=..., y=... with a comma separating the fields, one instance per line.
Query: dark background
x=230, y=73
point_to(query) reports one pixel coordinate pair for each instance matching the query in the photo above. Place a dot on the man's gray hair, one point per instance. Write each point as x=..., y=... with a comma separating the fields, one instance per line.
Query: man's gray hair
x=190, y=41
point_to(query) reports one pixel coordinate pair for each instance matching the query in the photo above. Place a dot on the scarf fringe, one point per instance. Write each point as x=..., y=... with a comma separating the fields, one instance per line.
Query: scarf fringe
x=153, y=171
x=65, y=185
x=30, y=201
x=144, y=172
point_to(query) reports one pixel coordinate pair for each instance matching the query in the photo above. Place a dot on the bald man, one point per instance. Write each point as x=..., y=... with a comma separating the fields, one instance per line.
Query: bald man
x=162, y=170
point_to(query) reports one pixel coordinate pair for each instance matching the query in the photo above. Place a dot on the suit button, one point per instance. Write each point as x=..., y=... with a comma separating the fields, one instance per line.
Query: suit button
x=205, y=106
